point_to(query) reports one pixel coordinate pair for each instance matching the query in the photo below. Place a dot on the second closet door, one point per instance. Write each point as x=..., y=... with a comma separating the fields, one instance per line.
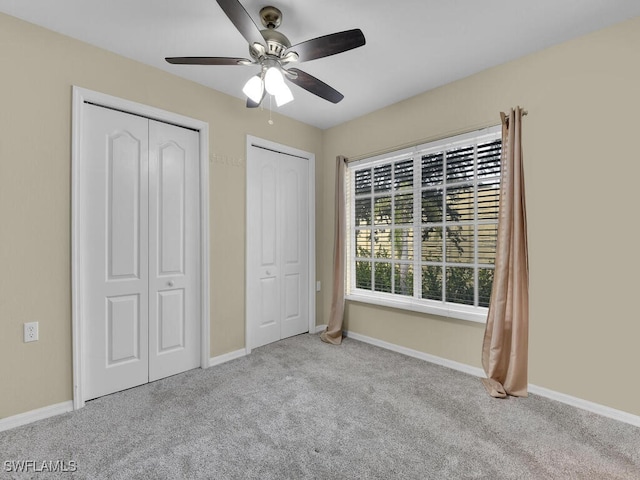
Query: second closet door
x=277, y=246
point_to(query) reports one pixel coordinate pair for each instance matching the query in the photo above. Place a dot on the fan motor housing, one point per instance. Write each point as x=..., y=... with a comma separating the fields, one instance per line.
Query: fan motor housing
x=277, y=43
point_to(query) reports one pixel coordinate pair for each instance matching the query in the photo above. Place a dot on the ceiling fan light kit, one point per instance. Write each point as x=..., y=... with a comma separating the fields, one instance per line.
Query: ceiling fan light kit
x=272, y=51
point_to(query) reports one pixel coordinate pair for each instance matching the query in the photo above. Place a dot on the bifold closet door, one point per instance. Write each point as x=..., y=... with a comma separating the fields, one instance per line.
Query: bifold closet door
x=139, y=250
x=277, y=246
x=174, y=246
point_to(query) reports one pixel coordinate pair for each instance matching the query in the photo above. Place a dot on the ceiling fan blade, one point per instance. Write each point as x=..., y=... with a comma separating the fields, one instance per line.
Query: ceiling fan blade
x=242, y=21
x=315, y=86
x=328, y=45
x=208, y=61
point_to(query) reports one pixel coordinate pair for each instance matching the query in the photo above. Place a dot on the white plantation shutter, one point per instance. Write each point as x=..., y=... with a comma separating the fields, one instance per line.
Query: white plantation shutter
x=422, y=224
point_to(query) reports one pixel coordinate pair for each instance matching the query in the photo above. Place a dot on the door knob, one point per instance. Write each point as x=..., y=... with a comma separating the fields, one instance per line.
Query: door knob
x=170, y=283
x=268, y=272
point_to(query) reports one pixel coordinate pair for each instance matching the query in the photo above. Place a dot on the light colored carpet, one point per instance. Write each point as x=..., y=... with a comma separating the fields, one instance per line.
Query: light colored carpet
x=300, y=409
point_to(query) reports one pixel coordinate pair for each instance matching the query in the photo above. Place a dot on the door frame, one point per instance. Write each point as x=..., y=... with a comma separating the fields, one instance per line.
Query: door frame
x=80, y=97
x=279, y=148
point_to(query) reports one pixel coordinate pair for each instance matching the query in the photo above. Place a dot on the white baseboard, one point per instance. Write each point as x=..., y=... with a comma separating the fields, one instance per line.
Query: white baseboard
x=227, y=357
x=478, y=372
x=462, y=367
x=586, y=405
x=35, y=415
x=319, y=329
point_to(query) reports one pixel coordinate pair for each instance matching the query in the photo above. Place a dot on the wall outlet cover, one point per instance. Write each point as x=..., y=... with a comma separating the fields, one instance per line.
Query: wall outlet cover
x=30, y=332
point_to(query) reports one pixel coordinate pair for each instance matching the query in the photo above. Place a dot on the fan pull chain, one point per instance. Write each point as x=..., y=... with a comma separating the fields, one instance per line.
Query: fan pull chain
x=270, y=122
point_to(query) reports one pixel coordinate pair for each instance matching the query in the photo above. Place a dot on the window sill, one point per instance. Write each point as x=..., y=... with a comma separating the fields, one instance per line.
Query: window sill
x=459, y=312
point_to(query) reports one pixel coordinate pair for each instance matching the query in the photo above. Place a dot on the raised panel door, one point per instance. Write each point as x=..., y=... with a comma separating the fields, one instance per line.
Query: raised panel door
x=113, y=203
x=277, y=246
x=174, y=309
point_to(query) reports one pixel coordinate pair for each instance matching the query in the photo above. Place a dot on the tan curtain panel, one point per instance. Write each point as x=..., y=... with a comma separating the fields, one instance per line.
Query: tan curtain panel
x=333, y=333
x=505, y=348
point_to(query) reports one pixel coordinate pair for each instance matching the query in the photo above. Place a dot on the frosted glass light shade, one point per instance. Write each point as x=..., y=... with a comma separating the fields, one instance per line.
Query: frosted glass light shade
x=254, y=88
x=273, y=81
x=284, y=96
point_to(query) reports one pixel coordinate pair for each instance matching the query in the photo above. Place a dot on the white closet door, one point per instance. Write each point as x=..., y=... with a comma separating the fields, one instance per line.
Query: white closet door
x=294, y=242
x=277, y=246
x=139, y=250
x=174, y=271
x=114, y=212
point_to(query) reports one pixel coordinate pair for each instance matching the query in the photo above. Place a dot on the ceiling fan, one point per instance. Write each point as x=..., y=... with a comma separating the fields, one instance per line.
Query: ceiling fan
x=272, y=51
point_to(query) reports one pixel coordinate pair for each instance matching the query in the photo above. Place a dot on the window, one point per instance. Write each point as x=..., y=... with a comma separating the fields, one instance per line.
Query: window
x=422, y=226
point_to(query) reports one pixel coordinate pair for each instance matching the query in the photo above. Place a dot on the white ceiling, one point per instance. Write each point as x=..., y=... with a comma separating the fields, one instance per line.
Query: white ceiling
x=412, y=45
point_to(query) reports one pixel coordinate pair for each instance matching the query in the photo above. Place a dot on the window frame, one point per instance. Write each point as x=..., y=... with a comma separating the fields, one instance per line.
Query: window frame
x=394, y=300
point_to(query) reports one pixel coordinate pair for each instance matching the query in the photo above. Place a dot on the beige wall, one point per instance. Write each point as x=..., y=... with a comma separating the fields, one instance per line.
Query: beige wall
x=582, y=169
x=38, y=70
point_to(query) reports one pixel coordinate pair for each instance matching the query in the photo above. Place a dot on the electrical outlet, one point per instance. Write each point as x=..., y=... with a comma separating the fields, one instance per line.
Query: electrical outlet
x=318, y=286
x=30, y=332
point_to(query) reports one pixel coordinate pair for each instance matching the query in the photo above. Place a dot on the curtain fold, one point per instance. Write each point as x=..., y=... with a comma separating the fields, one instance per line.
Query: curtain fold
x=333, y=333
x=505, y=346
